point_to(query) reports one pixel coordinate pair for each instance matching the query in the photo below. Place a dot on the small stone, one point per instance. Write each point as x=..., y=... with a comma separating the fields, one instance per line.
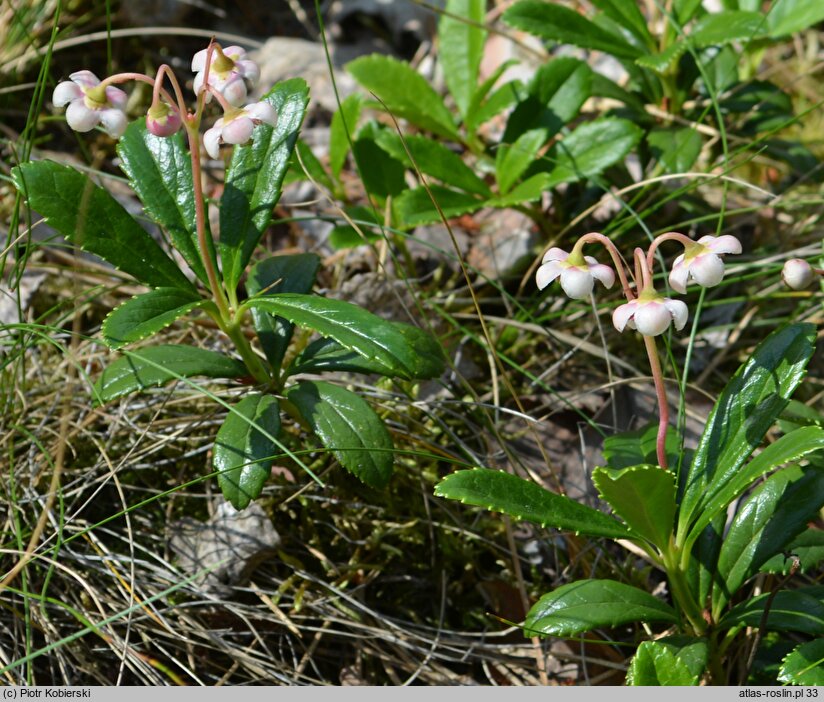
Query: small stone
x=505, y=244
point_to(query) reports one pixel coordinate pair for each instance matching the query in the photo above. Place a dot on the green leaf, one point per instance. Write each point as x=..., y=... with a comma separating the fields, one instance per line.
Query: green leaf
x=160, y=172
x=503, y=97
x=788, y=448
x=592, y=148
x=627, y=14
x=589, y=604
x=89, y=217
x=720, y=28
x=800, y=609
x=632, y=448
x=479, y=97
x=294, y=273
x=675, y=149
x=807, y=547
x=348, y=427
x=657, y=664
x=156, y=365
x=415, y=207
x=461, y=39
x=512, y=161
x=324, y=355
x=245, y=448
x=381, y=174
x=662, y=62
x=312, y=166
x=528, y=191
x=643, y=496
x=405, y=92
x=255, y=176
x=523, y=499
x=791, y=16
x=345, y=236
x=768, y=521
x=351, y=326
x=805, y=665
x=434, y=159
x=146, y=314
x=344, y=126
x=746, y=409
x=558, y=23
x=685, y=9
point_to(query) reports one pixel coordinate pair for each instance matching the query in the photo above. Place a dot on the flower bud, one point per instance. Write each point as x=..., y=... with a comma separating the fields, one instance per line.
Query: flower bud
x=162, y=120
x=797, y=274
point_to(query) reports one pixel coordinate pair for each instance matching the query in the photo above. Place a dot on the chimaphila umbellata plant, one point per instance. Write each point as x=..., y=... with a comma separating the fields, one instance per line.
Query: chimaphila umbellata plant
x=673, y=504
x=167, y=178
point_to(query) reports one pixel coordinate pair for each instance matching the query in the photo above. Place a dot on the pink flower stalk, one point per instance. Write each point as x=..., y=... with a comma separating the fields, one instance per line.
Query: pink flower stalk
x=162, y=120
x=236, y=127
x=577, y=272
x=90, y=104
x=651, y=314
x=798, y=274
x=229, y=73
x=702, y=262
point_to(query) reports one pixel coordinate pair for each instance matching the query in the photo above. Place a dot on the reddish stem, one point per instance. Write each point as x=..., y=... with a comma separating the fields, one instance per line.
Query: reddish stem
x=661, y=395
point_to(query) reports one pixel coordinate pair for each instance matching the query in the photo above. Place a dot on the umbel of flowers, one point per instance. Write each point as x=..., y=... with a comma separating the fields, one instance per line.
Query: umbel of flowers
x=646, y=310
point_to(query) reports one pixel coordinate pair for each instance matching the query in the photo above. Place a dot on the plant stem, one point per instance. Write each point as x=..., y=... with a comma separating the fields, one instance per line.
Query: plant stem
x=663, y=405
x=681, y=592
x=250, y=358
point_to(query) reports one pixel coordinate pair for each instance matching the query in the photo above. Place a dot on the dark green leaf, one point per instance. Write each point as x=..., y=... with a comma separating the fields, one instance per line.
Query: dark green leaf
x=461, y=39
x=415, y=207
x=561, y=24
x=528, y=191
x=675, y=149
x=805, y=665
x=156, y=365
x=791, y=16
x=656, y=664
x=685, y=9
x=513, y=160
x=498, y=101
x=160, y=172
x=479, y=97
x=245, y=448
x=643, y=496
x=351, y=326
x=295, y=273
x=381, y=174
x=405, y=92
x=348, y=427
x=746, y=409
x=799, y=609
x=763, y=106
x=808, y=548
x=146, y=314
x=255, y=176
x=312, y=166
x=341, y=133
x=588, y=604
x=523, y=499
x=627, y=14
x=93, y=220
x=632, y=448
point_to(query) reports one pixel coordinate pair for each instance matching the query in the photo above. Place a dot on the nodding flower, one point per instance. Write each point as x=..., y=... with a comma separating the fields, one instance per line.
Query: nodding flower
x=90, y=103
x=229, y=73
x=578, y=273
x=236, y=126
x=702, y=262
x=651, y=314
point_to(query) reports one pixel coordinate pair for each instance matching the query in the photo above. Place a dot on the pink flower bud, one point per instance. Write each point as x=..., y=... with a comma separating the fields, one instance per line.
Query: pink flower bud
x=797, y=274
x=162, y=120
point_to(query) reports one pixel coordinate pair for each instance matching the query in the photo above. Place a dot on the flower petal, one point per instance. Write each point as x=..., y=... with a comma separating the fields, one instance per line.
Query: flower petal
x=236, y=53
x=199, y=60
x=85, y=79
x=65, y=92
x=726, y=244
x=653, y=318
x=262, y=112
x=707, y=270
x=555, y=254
x=577, y=283
x=238, y=131
x=601, y=272
x=81, y=118
x=547, y=273
x=622, y=314
x=211, y=140
x=116, y=97
x=679, y=275
x=679, y=312
x=114, y=122
x=249, y=70
x=234, y=90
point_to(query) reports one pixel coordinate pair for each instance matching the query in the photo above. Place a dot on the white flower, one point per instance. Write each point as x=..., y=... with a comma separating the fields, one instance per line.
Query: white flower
x=90, y=105
x=229, y=72
x=577, y=279
x=797, y=273
x=702, y=262
x=650, y=314
x=237, y=127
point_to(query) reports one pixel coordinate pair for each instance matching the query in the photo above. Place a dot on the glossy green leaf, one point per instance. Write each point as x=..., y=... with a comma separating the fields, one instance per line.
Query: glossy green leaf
x=434, y=159
x=461, y=39
x=354, y=328
x=348, y=427
x=807, y=550
x=156, y=365
x=513, y=160
x=631, y=448
x=791, y=16
x=160, y=173
x=404, y=92
x=589, y=604
x=769, y=520
x=89, y=217
x=805, y=665
x=591, y=149
x=523, y=499
x=720, y=28
x=762, y=105
x=789, y=447
x=566, y=26
x=675, y=149
x=800, y=609
x=294, y=273
x=627, y=14
x=311, y=166
x=415, y=207
x=243, y=454
x=663, y=61
x=381, y=174
x=643, y=496
x=146, y=314
x=656, y=664
x=255, y=176
x=702, y=568
x=746, y=409
x=342, y=131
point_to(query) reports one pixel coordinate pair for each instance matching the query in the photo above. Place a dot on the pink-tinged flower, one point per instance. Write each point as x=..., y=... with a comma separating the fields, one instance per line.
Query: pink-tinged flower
x=162, y=120
x=237, y=127
x=650, y=314
x=89, y=104
x=229, y=73
x=797, y=273
x=702, y=262
x=577, y=276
